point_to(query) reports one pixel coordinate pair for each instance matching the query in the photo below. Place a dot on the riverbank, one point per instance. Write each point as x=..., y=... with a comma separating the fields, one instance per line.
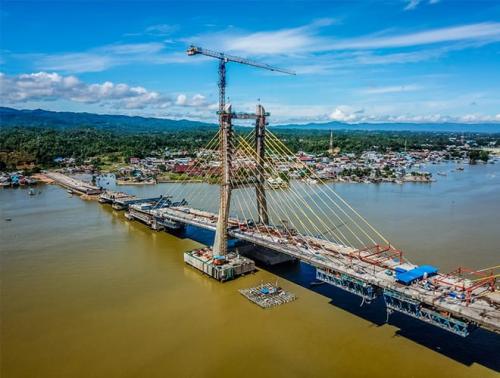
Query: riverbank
x=130, y=182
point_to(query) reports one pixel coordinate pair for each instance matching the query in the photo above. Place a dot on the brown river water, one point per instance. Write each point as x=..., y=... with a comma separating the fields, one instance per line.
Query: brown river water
x=86, y=293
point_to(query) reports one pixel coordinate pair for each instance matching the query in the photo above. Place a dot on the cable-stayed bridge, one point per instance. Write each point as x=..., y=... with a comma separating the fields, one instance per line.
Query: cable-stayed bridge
x=277, y=202
x=271, y=199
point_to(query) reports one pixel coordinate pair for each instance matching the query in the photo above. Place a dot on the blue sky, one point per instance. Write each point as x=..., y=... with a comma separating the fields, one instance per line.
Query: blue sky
x=356, y=61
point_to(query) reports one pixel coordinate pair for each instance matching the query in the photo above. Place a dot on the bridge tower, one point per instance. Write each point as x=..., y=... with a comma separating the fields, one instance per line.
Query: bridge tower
x=260, y=133
x=226, y=152
x=226, y=131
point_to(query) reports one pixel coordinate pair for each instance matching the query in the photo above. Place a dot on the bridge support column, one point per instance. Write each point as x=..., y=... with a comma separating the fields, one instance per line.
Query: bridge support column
x=226, y=152
x=260, y=132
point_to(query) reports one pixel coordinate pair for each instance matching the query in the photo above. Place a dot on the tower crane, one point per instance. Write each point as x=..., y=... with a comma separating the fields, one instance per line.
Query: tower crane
x=225, y=141
x=223, y=59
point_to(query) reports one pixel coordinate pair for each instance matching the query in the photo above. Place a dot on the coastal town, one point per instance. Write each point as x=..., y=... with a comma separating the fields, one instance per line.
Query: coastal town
x=371, y=166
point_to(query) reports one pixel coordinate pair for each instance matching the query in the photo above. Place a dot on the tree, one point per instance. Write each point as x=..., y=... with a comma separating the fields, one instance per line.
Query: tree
x=484, y=155
x=473, y=156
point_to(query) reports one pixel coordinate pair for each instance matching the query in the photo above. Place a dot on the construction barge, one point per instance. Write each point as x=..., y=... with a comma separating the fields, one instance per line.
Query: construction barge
x=147, y=211
x=121, y=201
x=109, y=196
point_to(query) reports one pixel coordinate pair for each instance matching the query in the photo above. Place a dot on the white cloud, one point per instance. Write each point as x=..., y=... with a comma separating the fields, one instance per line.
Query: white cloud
x=348, y=115
x=412, y=4
x=341, y=62
x=76, y=62
x=370, y=58
x=158, y=30
x=181, y=99
x=51, y=86
x=105, y=57
x=161, y=29
x=284, y=41
x=45, y=86
x=308, y=52
x=391, y=89
x=479, y=118
x=483, y=32
x=303, y=48
x=345, y=113
x=197, y=100
x=36, y=88
x=306, y=39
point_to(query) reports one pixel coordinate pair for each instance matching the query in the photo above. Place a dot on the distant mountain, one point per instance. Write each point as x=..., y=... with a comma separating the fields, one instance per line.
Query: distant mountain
x=63, y=120
x=415, y=127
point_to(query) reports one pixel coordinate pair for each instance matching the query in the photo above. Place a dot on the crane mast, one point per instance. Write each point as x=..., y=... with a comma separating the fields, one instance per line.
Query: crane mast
x=225, y=144
x=225, y=58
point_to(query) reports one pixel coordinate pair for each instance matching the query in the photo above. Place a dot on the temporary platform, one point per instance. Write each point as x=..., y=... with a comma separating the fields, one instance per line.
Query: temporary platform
x=109, y=196
x=268, y=295
x=123, y=203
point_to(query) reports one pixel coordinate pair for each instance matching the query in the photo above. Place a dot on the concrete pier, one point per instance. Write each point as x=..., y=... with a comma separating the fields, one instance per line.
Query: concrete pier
x=222, y=268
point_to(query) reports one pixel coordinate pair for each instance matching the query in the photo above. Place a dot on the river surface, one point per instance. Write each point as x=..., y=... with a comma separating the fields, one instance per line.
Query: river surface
x=86, y=293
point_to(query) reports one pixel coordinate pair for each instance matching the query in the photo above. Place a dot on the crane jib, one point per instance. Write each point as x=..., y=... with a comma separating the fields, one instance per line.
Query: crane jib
x=193, y=50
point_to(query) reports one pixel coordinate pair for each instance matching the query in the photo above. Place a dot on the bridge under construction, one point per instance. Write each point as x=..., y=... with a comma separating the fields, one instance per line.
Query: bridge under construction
x=307, y=221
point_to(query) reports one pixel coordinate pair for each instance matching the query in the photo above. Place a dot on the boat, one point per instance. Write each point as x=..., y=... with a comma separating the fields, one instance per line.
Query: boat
x=316, y=283
x=311, y=181
x=31, y=181
x=276, y=183
x=69, y=191
x=442, y=174
x=31, y=192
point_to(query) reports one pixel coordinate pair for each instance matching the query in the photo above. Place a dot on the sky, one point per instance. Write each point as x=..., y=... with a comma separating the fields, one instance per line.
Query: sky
x=424, y=61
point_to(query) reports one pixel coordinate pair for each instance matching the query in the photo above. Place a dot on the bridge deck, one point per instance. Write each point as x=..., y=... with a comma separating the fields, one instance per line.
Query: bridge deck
x=484, y=308
x=73, y=184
